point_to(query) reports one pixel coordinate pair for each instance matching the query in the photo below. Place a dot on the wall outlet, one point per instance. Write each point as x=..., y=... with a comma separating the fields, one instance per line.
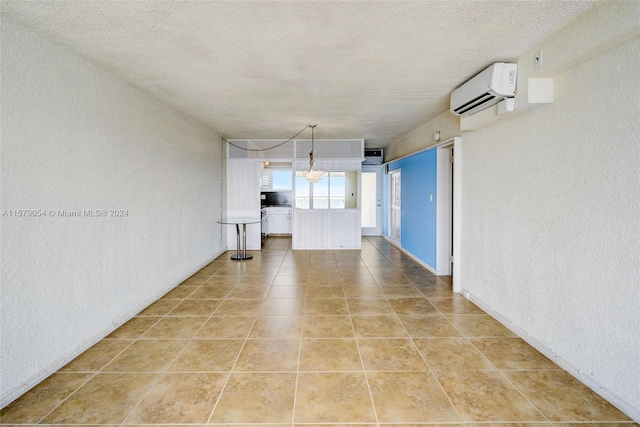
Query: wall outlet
x=537, y=60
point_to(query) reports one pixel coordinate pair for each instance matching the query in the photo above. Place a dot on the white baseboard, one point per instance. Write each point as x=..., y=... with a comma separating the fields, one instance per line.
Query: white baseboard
x=412, y=256
x=36, y=379
x=598, y=388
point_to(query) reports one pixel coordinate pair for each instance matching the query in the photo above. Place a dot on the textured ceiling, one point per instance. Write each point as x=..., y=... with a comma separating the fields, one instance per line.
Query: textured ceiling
x=359, y=69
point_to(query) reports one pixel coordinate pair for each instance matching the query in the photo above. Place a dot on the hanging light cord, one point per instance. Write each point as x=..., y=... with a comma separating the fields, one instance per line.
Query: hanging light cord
x=268, y=148
x=311, y=161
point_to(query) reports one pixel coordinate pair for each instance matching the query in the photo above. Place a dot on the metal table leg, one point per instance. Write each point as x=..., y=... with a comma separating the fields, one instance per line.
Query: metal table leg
x=241, y=254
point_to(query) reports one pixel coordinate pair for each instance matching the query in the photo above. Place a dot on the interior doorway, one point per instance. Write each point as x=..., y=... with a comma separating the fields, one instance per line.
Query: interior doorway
x=448, y=232
x=444, y=215
x=371, y=201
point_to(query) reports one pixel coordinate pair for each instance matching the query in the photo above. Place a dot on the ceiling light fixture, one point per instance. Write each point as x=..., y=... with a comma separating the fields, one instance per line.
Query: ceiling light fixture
x=311, y=174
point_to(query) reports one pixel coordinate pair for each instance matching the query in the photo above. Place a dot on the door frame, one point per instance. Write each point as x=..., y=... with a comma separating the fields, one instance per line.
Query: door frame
x=451, y=227
x=444, y=206
x=391, y=174
x=377, y=230
x=452, y=204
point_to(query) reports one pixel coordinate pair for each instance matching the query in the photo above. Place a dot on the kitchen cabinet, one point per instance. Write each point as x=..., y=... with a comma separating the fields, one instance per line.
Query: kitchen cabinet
x=279, y=220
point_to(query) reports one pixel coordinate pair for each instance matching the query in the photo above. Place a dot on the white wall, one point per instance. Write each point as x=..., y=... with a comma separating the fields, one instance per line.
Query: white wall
x=551, y=221
x=422, y=137
x=74, y=138
x=550, y=203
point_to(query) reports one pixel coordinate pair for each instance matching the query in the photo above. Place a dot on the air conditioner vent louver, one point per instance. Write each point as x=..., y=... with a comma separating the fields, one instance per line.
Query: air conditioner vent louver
x=485, y=89
x=478, y=101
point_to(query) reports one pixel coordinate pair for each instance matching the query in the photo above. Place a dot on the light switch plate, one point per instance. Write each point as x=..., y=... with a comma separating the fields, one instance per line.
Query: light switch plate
x=537, y=60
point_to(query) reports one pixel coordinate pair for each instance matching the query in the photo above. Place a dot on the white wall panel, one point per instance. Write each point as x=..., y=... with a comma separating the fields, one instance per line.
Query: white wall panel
x=310, y=229
x=344, y=229
x=343, y=165
x=243, y=200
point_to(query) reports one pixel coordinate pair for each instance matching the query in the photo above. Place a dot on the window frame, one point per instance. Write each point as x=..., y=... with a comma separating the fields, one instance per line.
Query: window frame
x=312, y=197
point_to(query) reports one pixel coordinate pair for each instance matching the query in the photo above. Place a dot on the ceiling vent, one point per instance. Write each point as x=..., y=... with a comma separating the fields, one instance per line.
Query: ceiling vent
x=485, y=89
x=373, y=156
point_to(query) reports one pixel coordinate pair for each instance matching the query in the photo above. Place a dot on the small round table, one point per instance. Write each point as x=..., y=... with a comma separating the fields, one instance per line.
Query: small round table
x=241, y=254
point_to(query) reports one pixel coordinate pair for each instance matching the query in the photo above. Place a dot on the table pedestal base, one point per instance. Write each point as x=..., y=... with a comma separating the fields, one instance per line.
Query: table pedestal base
x=241, y=244
x=241, y=254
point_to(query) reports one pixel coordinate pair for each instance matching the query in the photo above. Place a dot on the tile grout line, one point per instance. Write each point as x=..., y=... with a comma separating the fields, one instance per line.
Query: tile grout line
x=364, y=371
x=231, y=370
x=411, y=338
x=320, y=262
x=102, y=371
x=435, y=377
x=94, y=373
x=523, y=395
x=430, y=370
x=165, y=370
x=295, y=387
x=66, y=398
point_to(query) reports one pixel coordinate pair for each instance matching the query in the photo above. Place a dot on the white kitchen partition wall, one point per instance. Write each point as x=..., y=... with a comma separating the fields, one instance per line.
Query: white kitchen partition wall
x=325, y=228
x=296, y=149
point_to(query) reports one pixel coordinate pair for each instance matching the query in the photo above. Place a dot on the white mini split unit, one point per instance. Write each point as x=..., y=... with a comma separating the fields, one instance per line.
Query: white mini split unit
x=485, y=89
x=373, y=156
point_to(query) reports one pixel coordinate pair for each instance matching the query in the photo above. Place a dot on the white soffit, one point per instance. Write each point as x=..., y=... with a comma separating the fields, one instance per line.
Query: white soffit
x=360, y=69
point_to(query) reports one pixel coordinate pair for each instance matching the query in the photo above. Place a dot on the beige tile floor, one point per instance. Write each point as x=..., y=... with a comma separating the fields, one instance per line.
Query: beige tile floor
x=294, y=338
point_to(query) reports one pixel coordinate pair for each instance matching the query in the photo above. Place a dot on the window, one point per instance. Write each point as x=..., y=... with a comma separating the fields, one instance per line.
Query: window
x=303, y=192
x=281, y=180
x=337, y=183
x=370, y=200
x=336, y=190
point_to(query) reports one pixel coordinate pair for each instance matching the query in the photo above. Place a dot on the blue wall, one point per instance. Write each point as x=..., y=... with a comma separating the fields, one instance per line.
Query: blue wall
x=418, y=220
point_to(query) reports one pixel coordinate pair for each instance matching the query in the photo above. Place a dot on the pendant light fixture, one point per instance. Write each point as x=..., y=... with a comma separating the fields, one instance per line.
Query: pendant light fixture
x=311, y=174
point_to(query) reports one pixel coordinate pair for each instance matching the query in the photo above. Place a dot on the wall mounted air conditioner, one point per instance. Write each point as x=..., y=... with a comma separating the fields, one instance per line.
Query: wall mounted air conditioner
x=373, y=156
x=485, y=89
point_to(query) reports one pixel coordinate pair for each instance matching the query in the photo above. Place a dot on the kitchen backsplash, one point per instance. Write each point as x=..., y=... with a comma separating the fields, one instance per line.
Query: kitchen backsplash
x=276, y=198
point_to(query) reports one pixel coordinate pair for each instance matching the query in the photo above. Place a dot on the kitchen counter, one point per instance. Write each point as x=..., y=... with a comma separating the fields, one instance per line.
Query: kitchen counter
x=277, y=219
